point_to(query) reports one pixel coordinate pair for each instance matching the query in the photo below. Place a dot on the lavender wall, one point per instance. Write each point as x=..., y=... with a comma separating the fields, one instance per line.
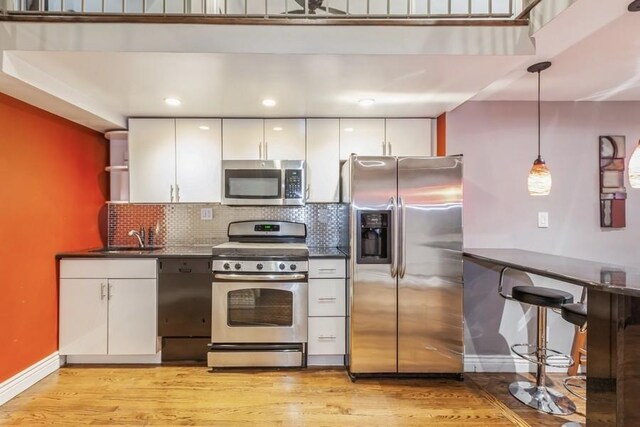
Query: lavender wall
x=498, y=140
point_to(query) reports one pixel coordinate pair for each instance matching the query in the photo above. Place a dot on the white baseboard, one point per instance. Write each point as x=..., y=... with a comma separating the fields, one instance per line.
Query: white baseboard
x=498, y=363
x=151, y=359
x=25, y=379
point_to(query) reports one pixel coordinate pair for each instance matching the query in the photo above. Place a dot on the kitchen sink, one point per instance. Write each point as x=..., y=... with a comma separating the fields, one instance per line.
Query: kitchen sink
x=118, y=249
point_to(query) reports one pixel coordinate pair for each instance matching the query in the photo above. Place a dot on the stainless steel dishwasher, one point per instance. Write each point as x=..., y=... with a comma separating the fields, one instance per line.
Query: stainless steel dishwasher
x=184, y=308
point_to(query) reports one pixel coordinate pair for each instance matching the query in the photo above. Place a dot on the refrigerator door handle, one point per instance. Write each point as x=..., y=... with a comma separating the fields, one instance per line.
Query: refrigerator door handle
x=402, y=245
x=394, y=231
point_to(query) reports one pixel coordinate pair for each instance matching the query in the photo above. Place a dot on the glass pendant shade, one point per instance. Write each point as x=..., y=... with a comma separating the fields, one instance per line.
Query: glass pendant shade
x=634, y=168
x=539, y=181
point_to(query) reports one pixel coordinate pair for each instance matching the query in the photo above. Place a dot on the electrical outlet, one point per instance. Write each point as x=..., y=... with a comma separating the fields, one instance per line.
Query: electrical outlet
x=206, y=214
x=543, y=219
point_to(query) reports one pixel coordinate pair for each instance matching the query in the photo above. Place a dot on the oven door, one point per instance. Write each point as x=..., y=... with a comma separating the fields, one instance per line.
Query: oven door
x=259, y=309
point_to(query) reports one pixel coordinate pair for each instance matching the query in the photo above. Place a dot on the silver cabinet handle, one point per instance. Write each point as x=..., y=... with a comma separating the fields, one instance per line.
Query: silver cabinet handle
x=389, y=145
x=171, y=193
x=384, y=148
x=177, y=193
x=327, y=299
x=402, y=247
x=102, y=289
x=266, y=150
x=260, y=151
x=110, y=291
x=327, y=337
x=326, y=270
x=394, y=231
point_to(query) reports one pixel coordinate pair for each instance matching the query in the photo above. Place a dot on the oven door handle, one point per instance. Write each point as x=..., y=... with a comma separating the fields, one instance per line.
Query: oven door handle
x=259, y=278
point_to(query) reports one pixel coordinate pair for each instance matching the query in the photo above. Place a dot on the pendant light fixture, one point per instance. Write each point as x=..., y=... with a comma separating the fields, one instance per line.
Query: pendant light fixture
x=539, y=182
x=634, y=168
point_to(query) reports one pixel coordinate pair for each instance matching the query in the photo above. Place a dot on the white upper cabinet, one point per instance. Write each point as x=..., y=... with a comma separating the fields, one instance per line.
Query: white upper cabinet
x=259, y=139
x=380, y=137
x=284, y=139
x=408, y=137
x=364, y=137
x=242, y=139
x=174, y=160
x=198, y=156
x=323, y=160
x=152, y=160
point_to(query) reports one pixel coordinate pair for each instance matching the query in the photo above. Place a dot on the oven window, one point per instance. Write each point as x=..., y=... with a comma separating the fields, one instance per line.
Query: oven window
x=252, y=184
x=259, y=307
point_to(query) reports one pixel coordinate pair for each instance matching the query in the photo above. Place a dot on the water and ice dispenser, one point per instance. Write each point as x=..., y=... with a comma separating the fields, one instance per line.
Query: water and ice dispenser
x=374, y=237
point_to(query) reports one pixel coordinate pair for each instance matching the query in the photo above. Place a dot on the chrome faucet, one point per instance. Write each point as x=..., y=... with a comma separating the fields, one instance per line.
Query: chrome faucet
x=139, y=235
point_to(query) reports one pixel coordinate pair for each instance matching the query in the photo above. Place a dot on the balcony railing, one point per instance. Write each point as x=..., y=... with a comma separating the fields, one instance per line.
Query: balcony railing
x=277, y=9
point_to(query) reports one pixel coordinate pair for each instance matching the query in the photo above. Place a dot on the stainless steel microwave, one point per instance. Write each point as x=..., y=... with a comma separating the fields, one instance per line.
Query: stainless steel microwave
x=263, y=182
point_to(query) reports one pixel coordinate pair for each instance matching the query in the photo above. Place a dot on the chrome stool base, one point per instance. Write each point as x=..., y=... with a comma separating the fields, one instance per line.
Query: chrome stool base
x=542, y=398
x=576, y=385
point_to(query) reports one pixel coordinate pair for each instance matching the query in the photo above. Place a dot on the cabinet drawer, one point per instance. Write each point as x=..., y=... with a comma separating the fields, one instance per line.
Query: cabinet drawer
x=327, y=297
x=108, y=268
x=326, y=268
x=326, y=335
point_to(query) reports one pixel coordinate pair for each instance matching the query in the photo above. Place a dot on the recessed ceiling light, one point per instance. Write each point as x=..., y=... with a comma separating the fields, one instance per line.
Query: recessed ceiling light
x=174, y=102
x=277, y=128
x=349, y=129
x=269, y=102
x=367, y=102
x=203, y=127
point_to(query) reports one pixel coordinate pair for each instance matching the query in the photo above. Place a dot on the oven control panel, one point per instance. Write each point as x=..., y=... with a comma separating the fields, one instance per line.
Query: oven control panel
x=258, y=266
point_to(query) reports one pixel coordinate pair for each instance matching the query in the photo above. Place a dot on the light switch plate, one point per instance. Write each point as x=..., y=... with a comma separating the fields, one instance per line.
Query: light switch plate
x=206, y=214
x=543, y=219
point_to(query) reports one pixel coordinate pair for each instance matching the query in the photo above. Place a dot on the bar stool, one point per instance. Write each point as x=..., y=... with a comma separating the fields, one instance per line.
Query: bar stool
x=576, y=314
x=537, y=395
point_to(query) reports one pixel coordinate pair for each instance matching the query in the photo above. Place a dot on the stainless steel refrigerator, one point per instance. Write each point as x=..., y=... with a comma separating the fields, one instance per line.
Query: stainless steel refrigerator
x=405, y=286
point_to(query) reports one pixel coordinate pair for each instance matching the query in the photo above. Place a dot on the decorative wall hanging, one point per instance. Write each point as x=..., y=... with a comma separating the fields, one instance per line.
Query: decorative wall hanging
x=612, y=191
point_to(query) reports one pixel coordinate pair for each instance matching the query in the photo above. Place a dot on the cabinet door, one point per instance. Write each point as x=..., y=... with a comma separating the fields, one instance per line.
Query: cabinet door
x=409, y=137
x=364, y=137
x=198, y=156
x=327, y=335
x=152, y=160
x=242, y=139
x=132, y=316
x=83, y=316
x=323, y=160
x=327, y=297
x=284, y=139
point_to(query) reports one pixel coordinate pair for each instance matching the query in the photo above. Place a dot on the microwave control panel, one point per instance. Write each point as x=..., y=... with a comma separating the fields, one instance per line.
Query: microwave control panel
x=293, y=184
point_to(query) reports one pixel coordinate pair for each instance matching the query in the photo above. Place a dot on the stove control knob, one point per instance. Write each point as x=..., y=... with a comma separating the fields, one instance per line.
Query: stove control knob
x=226, y=266
x=238, y=266
x=293, y=267
x=259, y=266
x=281, y=266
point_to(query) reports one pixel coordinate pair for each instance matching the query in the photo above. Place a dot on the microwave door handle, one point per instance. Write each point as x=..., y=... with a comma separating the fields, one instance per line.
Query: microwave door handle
x=394, y=231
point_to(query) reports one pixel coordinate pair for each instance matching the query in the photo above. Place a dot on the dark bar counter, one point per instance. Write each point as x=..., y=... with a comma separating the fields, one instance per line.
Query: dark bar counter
x=613, y=314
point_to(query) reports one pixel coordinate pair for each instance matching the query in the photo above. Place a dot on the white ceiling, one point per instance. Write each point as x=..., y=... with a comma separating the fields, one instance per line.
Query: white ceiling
x=79, y=72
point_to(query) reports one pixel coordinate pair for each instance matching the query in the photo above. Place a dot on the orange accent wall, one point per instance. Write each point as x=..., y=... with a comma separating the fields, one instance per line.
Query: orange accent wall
x=52, y=198
x=441, y=148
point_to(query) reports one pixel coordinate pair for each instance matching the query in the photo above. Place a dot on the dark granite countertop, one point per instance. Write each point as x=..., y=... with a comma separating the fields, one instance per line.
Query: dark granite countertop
x=328, y=252
x=165, y=252
x=610, y=278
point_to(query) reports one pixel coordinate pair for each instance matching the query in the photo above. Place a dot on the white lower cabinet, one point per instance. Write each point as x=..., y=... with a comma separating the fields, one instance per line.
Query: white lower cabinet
x=327, y=336
x=327, y=311
x=108, y=315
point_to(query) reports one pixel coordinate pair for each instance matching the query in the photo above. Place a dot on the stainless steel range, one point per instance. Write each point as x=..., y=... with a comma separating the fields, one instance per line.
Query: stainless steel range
x=259, y=309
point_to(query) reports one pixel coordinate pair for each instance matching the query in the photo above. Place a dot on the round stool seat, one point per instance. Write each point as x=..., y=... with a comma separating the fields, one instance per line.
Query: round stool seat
x=575, y=314
x=543, y=297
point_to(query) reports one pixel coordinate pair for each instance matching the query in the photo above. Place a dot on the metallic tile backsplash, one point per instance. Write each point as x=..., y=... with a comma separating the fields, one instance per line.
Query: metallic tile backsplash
x=181, y=224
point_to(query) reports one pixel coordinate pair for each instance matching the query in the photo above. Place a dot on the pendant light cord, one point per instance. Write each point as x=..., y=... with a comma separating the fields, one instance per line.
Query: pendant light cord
x=538, y=114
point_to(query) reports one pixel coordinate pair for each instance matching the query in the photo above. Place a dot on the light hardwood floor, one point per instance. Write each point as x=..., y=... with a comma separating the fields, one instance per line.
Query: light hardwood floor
x=193, y=396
